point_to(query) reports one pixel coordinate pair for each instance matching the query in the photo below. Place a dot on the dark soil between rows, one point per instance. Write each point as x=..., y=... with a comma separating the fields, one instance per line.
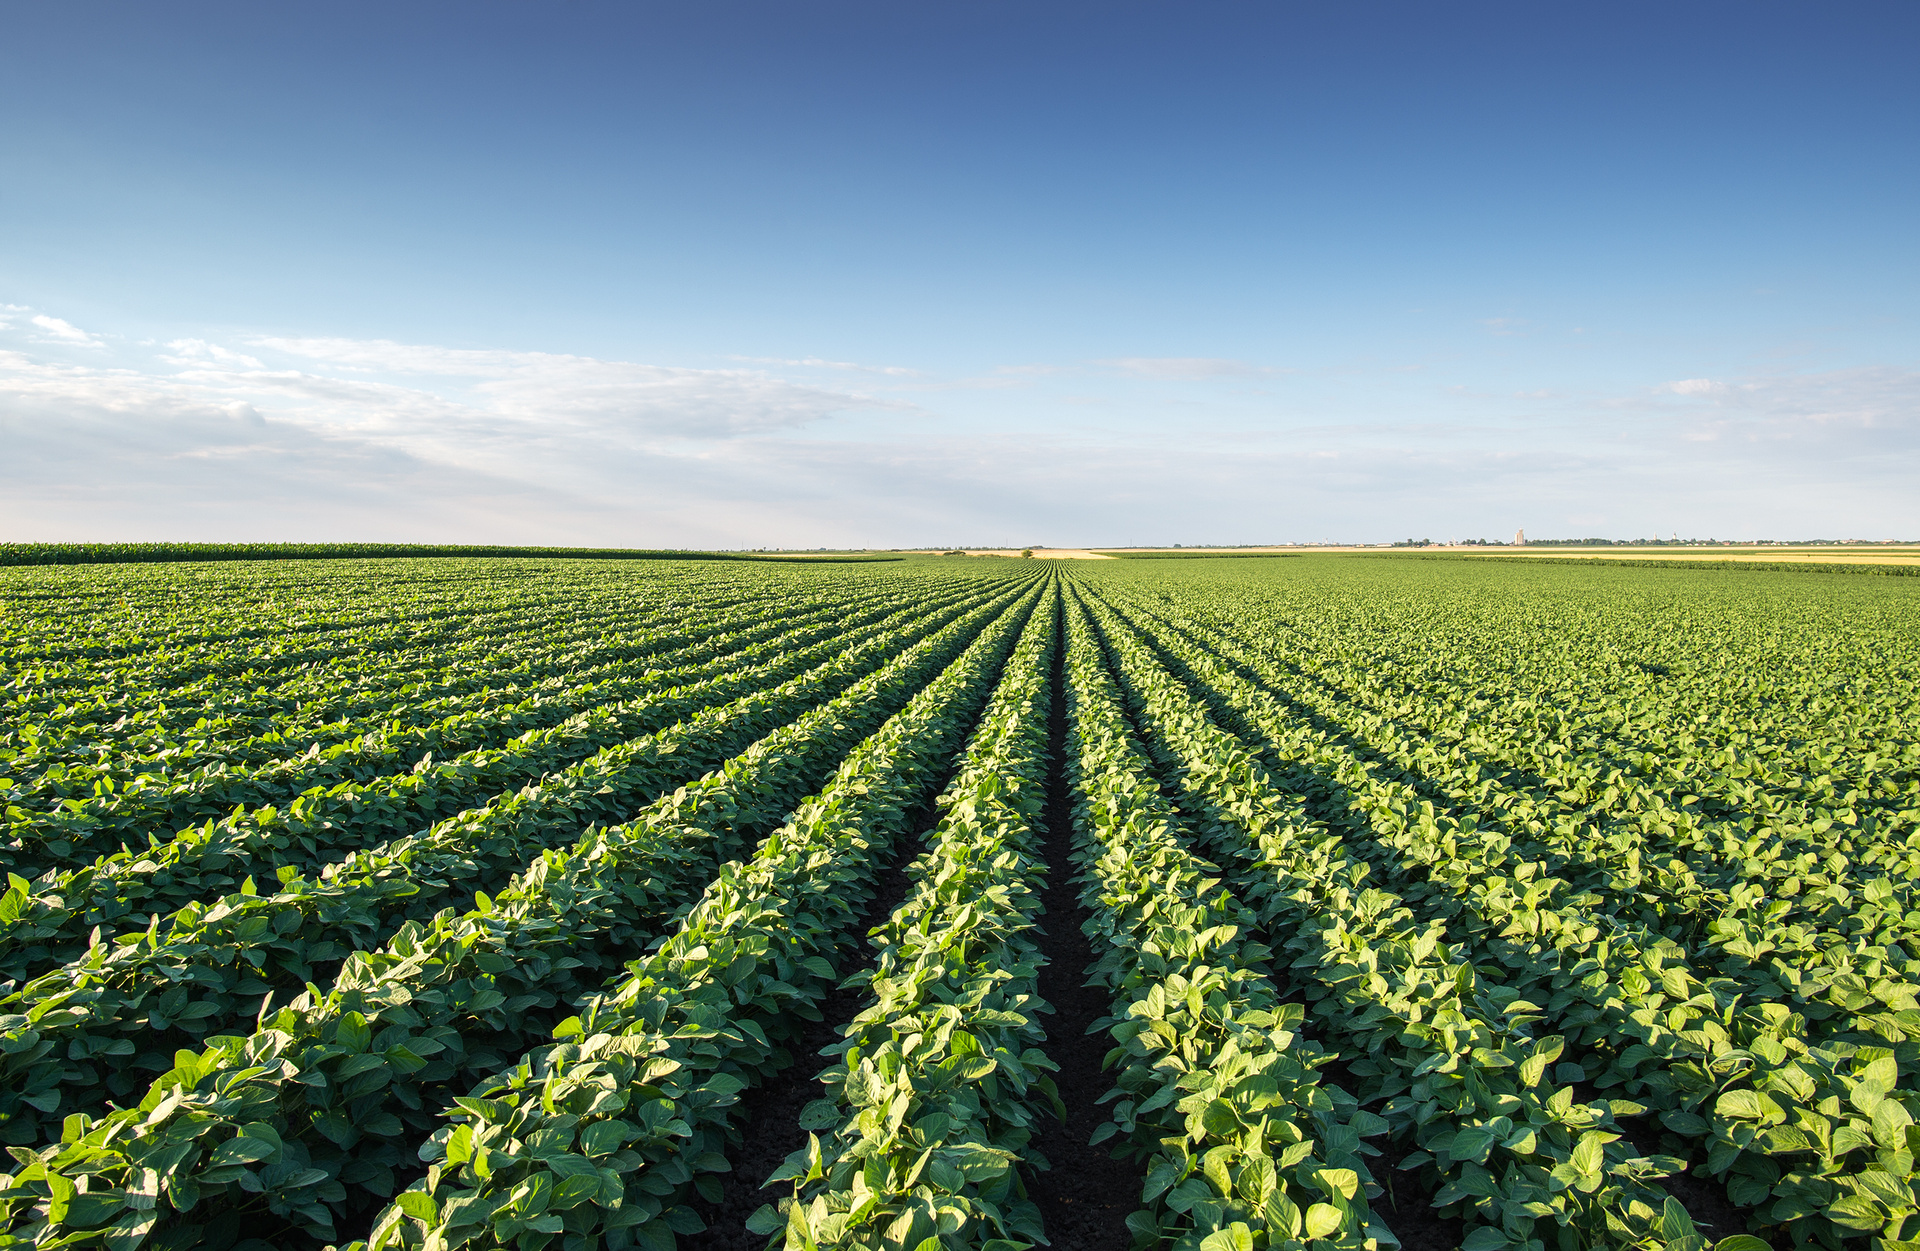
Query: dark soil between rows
x=1405, y=1205
x=1087, y=1195
x=1705, y=1197
x=1405, y=1202
x=770, y=1114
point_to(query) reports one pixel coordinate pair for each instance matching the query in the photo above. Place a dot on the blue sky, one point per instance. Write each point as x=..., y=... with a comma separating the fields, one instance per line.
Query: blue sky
x=753, y=274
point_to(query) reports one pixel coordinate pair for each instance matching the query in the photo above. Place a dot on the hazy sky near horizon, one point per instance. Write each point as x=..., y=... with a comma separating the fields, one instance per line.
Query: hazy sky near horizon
x=784, y=274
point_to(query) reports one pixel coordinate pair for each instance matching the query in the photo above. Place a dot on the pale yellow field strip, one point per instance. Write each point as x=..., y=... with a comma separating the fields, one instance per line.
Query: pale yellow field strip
x=1851, y=554
x=1840, y=556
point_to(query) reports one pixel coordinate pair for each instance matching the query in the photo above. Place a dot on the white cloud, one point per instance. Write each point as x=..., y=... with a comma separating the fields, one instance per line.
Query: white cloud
x=312, y=438
x=386, y=356
x=1691, y=386
x=58, y=331
x=1867, y=417
x=618, y=399
x=511, y=442
x=196, y=352
x=1184, y=368
x=815, y=362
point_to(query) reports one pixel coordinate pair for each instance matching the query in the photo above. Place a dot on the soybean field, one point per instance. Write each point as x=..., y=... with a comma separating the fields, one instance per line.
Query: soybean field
x=938, y=904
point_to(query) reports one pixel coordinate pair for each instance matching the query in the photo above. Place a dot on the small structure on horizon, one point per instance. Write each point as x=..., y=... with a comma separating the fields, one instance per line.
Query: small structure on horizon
x=1519, y=538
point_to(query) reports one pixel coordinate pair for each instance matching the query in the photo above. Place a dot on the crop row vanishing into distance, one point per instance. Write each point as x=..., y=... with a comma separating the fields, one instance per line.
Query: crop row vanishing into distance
x=1331, y=902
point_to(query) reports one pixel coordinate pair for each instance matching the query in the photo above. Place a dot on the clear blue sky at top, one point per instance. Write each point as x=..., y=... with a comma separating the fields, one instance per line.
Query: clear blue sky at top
x=1442, y=268
x=955, y=185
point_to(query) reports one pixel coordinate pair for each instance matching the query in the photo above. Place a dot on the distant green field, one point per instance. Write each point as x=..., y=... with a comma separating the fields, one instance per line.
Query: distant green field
x=135, y=553
x=1122, y=555
x=1853, y=562
x=510, y=902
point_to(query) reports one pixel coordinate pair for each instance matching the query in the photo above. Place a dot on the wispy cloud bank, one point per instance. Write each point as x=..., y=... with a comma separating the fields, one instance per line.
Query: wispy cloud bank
x=289, y=437
x=506, y=391
x=1870, y=417
x=1185, y=368
x=291, y=428
x=197, y=353
x=815, y=362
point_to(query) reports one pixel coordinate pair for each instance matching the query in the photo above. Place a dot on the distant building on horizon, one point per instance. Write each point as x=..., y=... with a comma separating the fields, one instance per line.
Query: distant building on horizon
x=1519, y=538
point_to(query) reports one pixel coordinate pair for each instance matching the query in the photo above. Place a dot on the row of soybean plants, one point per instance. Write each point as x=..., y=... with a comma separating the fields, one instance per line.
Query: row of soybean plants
x=137, y=996
x=257, y=719
x=1814, y=980
x=182, y=717
x=171, y=693
x=921, y=1138
x=615, y=621
x=1821, y=750
x=543, y=786
x=1735, y=787
x=1806, y=1120
x=1839, y=925
x=396, y=773
x=124, y=712
x=1467, y=1087
x=1817, y=915
x=925, y=1118
x=1584, y=756
x=125, y=615
x=1603, y=680
x=155, y=658
x=111, y=617
x=184, y=775
x=1242, y=1141
x=315, y=1120
x=1393, y=809
x=506, y=702
x=97, y=615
